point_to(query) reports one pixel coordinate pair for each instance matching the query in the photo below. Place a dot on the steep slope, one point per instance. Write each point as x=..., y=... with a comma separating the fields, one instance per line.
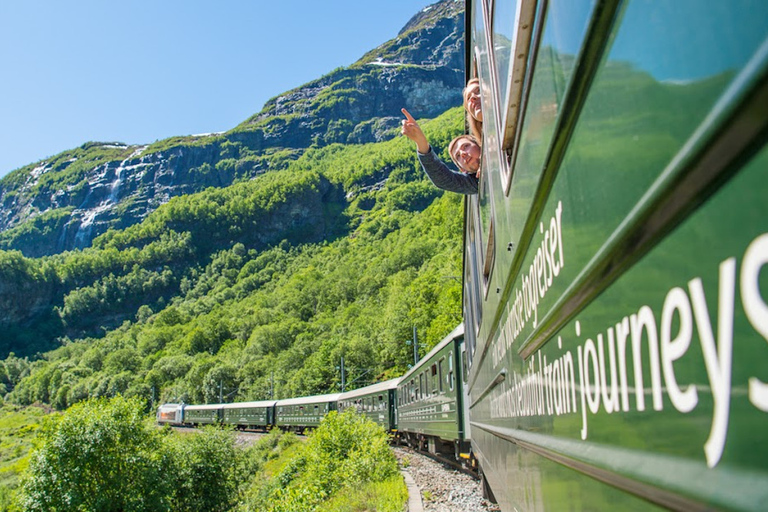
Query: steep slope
x=66, y=201
x=195, y=298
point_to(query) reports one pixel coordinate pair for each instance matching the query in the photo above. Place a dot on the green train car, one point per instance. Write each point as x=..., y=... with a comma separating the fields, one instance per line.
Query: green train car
x=376, y=402
x=249, y=415
x=209, y=414
x=430, y=401
x=306, y=412
x=615, y=280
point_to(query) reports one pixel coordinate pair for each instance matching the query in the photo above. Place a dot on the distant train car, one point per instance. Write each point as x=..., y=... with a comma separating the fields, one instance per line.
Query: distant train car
x=306, y=412
x=170, y=414
x=616, y=256
x=376, y=402
x=249, y=415
x=430, y=401
x=209, y=414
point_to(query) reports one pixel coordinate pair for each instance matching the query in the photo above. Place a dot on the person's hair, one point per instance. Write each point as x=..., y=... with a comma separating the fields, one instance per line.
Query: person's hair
x=452, y=146
x=475, y=126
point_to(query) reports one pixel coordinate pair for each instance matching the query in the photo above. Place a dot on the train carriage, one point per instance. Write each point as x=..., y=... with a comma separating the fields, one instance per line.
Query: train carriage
x=170, y=414
x=430, y=401
x=209, y=414
x=376, y=402
x=305, y=412
x=614, y=282
x=249, y=415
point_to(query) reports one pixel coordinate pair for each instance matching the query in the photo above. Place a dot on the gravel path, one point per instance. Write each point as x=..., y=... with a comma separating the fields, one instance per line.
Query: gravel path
x=443, y=489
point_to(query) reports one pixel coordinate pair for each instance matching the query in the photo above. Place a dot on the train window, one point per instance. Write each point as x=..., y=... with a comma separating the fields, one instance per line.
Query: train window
x=472, y=267
x=490, y=123
x=413, y=391
x=513, y=22
x=421, y=385
x=450, y=372
x=440, y=372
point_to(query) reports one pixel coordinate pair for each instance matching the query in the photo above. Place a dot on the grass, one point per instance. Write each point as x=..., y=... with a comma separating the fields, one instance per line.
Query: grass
x=18, y=429
x=387, y=496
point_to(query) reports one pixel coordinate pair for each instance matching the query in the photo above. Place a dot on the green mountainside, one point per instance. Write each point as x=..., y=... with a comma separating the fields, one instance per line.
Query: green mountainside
x=199, y=297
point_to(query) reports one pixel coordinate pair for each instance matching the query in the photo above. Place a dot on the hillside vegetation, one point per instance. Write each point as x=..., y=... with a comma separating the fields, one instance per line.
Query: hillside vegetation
x=249, y=291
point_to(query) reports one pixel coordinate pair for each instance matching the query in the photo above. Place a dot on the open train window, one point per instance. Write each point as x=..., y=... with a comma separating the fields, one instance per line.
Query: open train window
x=513, y=25
x=490, y=151
x=450, y=372
x=440, y=372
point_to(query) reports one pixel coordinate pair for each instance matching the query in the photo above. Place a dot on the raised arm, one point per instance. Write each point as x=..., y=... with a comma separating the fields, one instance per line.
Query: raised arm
x=412, y=130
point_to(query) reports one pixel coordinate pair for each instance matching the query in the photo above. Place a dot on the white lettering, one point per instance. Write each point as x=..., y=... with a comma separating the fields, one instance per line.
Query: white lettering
x=610, y=403
x=717, y=358
x=674, y=349
x=755, y=258
x=645, y=321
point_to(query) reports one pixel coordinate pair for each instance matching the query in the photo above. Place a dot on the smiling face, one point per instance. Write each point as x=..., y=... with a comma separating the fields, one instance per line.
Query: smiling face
x=465, y=152
x=472, y=101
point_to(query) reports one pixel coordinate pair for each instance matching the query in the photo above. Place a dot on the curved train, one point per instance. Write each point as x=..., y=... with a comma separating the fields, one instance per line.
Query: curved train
x=425, y=408
x=615, y=291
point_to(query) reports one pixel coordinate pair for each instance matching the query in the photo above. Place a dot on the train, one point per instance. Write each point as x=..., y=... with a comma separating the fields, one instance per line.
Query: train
x=612, y=354
x=615, y=283
x=425, y=408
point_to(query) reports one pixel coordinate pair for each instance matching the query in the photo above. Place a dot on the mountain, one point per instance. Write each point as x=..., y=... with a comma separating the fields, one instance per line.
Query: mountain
x=64, y=202
x=105, y=236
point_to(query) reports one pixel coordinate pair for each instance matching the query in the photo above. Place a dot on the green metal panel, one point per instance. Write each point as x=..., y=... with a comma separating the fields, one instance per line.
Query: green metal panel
x=436, y=411
x=304, y=412
x=656, y=385
x=377, y=405
x=623, y=339
x=201, y=416
x=254, y=416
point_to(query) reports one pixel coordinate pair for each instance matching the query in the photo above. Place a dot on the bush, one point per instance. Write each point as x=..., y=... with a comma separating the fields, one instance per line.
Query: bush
x=99, y=456
x=104, y=455
x=205, y=464
x=346, y=452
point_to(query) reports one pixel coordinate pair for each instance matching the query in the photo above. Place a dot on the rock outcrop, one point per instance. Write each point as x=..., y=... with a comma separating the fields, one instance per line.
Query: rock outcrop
x=63, y=203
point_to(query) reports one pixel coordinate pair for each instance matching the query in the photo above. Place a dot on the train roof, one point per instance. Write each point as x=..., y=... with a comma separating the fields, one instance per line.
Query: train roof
x=458, y=331
x=260, y=403
x=170, y=406
x=204, y=407
x=333, y=397
x=373, y=388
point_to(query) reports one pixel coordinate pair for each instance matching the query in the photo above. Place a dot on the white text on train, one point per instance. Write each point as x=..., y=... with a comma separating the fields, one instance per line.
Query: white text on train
x=603, y=381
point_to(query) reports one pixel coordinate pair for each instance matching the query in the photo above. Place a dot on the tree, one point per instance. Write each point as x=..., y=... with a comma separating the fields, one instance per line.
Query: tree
x=99, y=456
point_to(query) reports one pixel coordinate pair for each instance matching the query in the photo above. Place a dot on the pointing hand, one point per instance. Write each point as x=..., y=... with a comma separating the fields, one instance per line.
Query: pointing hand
x=412, y=130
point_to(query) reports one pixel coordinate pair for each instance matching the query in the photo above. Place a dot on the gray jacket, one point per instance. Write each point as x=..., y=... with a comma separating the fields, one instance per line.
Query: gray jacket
x=444, y=178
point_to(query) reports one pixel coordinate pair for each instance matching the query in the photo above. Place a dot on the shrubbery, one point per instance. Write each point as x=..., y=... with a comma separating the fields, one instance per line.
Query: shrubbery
x=343, y=461
x=105, y=455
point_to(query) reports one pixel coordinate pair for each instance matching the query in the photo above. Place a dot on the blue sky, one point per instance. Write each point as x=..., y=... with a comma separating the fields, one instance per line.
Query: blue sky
x=140, y=71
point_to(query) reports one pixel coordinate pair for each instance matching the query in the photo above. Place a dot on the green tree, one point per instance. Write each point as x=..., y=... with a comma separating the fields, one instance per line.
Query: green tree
x=100, y=455
x=204, y=476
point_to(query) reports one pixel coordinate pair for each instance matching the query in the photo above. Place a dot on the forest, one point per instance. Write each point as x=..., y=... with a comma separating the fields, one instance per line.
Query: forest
x=247, y=292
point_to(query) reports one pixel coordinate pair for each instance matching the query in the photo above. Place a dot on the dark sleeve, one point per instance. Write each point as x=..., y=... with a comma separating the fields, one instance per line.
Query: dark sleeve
x=445, y=178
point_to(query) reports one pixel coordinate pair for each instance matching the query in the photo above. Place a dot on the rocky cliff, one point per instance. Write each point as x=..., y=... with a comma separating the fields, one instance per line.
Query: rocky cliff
x=63, y=203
